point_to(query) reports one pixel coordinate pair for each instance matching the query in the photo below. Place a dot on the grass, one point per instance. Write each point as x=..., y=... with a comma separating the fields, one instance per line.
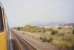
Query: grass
x=61, y=37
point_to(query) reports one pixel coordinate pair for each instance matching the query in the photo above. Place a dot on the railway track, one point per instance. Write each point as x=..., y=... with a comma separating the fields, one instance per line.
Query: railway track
x=24, y=42
x=20, y=44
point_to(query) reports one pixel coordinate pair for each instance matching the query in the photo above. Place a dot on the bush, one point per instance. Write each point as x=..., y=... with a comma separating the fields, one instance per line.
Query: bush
x=63, y=41
x=45, y=39
x=53, y=32
x=73, y=31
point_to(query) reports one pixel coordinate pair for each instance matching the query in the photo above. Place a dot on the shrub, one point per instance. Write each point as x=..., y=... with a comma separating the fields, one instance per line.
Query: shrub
x=73, y=31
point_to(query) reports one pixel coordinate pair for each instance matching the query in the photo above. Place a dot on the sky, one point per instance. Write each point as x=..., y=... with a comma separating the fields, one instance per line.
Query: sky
x=23, y=12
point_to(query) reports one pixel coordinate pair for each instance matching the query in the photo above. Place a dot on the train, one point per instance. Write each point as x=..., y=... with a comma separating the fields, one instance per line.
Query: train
x=4, y=41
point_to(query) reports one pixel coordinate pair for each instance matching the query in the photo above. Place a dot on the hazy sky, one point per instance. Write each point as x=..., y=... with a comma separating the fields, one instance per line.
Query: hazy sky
x=22, y=12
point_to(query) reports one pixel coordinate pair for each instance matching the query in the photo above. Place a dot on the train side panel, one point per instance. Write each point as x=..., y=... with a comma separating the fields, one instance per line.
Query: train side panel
x=3, y=41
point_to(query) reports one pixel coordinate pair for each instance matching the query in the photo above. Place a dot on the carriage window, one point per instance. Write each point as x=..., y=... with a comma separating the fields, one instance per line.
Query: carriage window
x=1, y=21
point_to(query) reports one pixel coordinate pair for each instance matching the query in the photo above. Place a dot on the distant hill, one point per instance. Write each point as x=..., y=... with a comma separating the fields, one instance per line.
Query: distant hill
x=53, y=24
x=69, y=24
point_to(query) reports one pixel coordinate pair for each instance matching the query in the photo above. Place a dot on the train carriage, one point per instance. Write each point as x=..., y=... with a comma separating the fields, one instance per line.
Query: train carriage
x=3, y=29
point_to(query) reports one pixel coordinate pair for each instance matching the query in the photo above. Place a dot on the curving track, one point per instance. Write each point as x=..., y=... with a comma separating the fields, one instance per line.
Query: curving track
x=19, y=43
